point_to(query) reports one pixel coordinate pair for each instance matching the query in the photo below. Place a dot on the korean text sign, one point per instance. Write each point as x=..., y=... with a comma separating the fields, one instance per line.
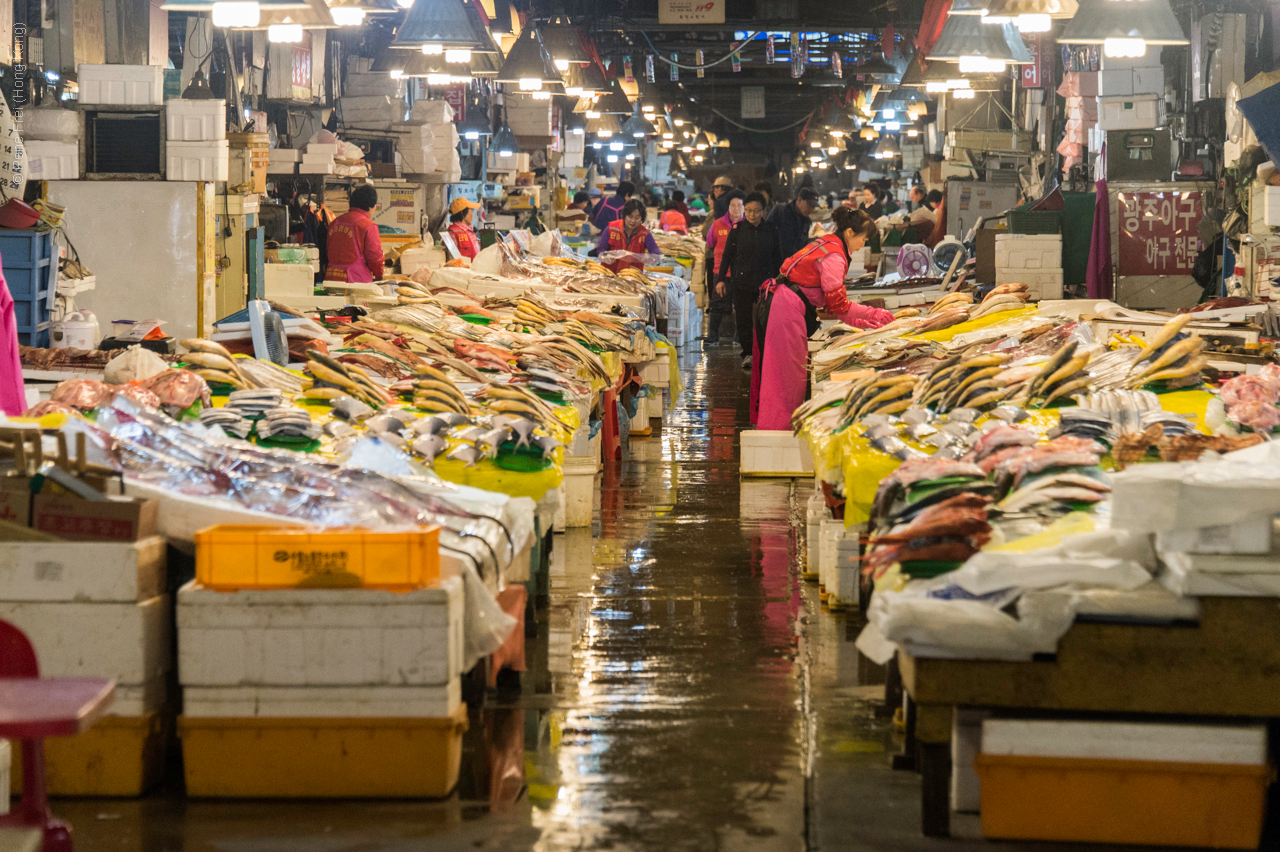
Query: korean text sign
x=1157, y=232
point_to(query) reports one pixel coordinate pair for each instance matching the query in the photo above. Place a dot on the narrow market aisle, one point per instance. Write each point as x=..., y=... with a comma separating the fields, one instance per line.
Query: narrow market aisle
x=685, y=692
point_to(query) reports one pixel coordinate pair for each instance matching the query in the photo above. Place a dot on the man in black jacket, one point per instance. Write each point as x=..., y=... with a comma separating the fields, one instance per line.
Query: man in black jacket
x=752, y=255
x=793, y=222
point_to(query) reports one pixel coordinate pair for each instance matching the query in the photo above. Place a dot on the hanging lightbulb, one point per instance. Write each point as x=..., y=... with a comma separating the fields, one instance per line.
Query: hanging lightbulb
x=404, y=4
x=815, y=144
x=438, y=79
x=686, y=149
x=530, y=84
x=913, y=133
x=698, y=158
x=889, y=113
x=562, y=65
x=613, y=158
x=936, y=87
x=433, y=49
x=891, y=126
x=458, y=55
x=397, y=73
x=668, y=136
x=592, y=114
x=959, y=83
x=541, y=96
x=615, y=146
x=981, y=65
x=236, y=13
x=1117, y=47
x=284, y=33
x=596, y=145
x=347, y=16
x=837, y=133
x=577, y=131
x=833, y=150
x=631, y=156
x=798, y=170
x=964, y=94
x=1033, y=23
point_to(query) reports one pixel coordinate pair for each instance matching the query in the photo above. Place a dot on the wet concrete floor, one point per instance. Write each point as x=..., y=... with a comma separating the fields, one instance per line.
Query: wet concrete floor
x=685, y=692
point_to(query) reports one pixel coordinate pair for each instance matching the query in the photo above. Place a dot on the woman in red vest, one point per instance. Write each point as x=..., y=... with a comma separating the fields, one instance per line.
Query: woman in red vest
x=787, y=315
x=354, y=245
x=627, y=234
x=464, y=236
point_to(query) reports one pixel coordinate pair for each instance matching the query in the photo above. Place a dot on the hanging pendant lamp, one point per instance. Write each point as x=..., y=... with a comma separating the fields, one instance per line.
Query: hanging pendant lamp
x=605, y=126
x=443, y=24
x=1030, y=15
x=476, y=124
x=887, y=148
x=504, y=141
x=529, y=65
x=637, y=127
x=613, y=101
x=965, y=38
x=564, y=45
x=1124, y=27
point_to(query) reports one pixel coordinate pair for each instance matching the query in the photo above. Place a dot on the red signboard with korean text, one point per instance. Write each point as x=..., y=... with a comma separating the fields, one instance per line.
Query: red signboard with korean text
x=1033, y=73
x=1158, y=232
x=300, y=71
x=456, y=96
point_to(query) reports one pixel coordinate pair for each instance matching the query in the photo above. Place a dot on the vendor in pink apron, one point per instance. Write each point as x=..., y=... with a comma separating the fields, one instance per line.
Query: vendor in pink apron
x=787, y=314
x=354, y=246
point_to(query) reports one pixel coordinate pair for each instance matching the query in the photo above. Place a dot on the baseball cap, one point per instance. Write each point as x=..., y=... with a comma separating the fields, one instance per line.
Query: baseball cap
x=595, y=192
x=460, y=204
x=806, y=193
x=724, y=181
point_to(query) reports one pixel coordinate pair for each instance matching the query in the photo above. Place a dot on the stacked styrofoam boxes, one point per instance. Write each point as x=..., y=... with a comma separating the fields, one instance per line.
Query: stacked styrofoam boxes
x=131, y=85
x=774, y=453
x=575, y=146
x=1031, y=259
x=367, y=112
x=320, y=653
x=830, y=532
x=416, y=144
x=196, y=146
x=283, y=161
x=1271, y=210
x=434, y=147
x=94, y=609
x=1131, y=92
x=445, y=148
x=842, y=590
x=318, y=158
x=364, y=84
x=816, y=512
x=49, y=160
x=528, y=117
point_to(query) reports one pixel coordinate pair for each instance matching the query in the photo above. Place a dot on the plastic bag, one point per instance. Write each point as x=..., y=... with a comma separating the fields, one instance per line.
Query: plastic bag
x=136, y=364
x=485, y=625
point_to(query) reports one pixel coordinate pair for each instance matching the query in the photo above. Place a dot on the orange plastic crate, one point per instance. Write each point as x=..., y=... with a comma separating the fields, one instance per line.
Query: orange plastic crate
x=232, y=557
x=1094, y=800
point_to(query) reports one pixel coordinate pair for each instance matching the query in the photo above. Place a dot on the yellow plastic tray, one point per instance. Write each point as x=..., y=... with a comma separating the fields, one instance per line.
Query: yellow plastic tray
x=322, y=758
x=231, y=557
x=118, y=756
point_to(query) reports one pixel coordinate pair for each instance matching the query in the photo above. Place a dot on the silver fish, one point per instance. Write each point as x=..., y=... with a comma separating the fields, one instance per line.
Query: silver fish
x=429, y=425
x=452, y=418
x=470, y=435
x=351, y=409
x=547, y=444
x=489, y=442
x=523, y=429
x=429, y=446
x=384, y=423
x=465, y=453
x=338, y=429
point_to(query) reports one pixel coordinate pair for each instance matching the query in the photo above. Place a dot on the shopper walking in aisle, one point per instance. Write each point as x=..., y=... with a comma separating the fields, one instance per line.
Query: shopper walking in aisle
x=672, y=220
x=751, y=256
x=354, y=246
x=627, y=234
x=461, y=212
x=721, y=306
x=766, y=189
x=793, y=222
x=611, y=208
x=677, y=198
x=719, y=199
x=787, y=314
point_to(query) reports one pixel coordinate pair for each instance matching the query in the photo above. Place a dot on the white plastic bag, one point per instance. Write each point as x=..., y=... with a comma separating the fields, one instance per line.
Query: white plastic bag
x=485, y=625
x=135, y=365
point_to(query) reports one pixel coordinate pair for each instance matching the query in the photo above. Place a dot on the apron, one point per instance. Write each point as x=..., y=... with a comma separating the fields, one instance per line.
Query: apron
x=784, y=320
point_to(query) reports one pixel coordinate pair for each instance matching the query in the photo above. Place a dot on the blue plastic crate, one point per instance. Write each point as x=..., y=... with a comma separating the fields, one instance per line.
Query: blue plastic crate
x=29, y=265
x=29, y=313
x=38, y=338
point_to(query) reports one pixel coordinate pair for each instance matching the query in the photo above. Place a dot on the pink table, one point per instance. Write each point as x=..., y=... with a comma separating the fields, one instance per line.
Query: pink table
x=32, y=709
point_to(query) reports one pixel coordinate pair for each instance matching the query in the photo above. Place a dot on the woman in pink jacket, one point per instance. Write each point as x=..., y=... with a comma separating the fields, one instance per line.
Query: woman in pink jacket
x=13, y=398
x=787, y=314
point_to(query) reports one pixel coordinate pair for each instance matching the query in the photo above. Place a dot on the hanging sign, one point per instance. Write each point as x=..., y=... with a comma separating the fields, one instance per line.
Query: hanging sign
x=675, y=69
x=300, y=71
x=1157, y=232
x=648, y=68
x=736, y=60
x=797, y=55
x=13, y=161
x=768, y=50
x=455, y=95
x=691, y=11
x=1034, y=73
x=697, y=60
x=626, y=69
x=836, y=67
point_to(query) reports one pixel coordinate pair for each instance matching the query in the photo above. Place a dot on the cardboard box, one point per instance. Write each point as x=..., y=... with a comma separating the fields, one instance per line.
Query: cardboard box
x=15, y=500
x=74, y=519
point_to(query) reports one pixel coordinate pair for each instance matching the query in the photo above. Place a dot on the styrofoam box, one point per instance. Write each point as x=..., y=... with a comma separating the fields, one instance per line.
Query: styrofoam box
x=432, y=112
x=1041, y=284
x=139, y=85
x=657, y=372
x=282, y=168
x=1147, y=60
x=284, y=155
x=205, y=161
x=1149, y=80
x=365, y=702
x=48, y=160
x=195, y=120
x=82, y=571
x=283, y=281
x=1221, y=744
x=1115, y=82
x=128, y=642
x=317, y=157
x=766, y=452
x=1136, y=112
x=1250, y=536
x=1271, y=209
x=1028, y=251
x=579, y=488
x=52, y=123
x=330, y=148
x=314, y=168
x=320, y=637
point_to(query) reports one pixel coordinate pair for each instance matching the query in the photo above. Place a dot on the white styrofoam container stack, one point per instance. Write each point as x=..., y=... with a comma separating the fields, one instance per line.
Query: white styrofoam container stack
x=50, y=123
x=1029, y=251
x=125, y=85
x=656, y=372
x=1271, y=210
x=49, y=160
x=371, y=112
x=431, y=112
x=94, y=609
x=285, y=281
x=579, y=489
x=321, y=652
x=203, y=161
x=774, y=453
x=195, y=120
